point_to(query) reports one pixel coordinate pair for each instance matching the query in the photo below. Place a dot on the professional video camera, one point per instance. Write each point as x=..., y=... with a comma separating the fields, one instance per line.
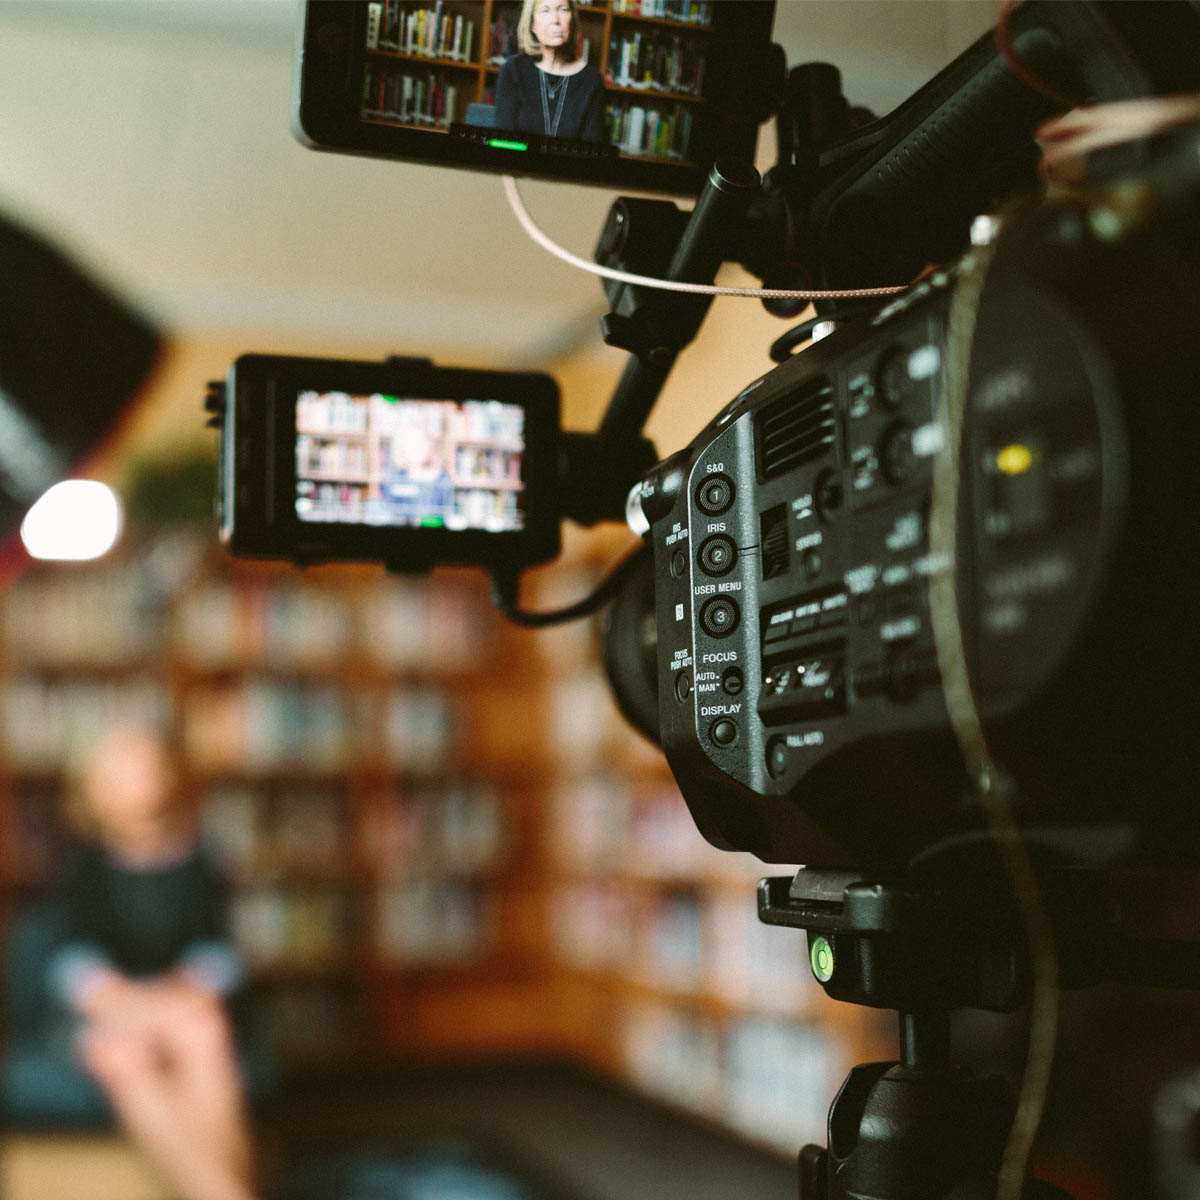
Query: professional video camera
x=913, y=608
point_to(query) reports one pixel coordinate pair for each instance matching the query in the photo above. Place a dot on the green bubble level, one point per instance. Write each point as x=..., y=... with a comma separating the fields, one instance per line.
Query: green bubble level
x=821, y=957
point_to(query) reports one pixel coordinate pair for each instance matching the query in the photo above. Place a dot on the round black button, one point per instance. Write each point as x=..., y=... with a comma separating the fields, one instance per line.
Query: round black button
x=718, y=555
x=732, y=681
x=777, y=757
x=828, y=494
x=715, y=494
x=866, y=609
x=902, y=676
x=678, y=564
x=892, y=380
x=683, y=686
x=719, y=616
x=896, y=453
x=810, y=564
x=723, y=732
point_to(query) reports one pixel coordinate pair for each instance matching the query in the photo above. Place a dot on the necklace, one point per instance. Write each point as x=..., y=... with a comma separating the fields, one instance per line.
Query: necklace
x=551, y=94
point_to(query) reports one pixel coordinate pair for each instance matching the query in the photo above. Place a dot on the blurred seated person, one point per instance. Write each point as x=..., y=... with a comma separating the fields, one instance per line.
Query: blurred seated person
x=146, y=967
x=547, y=88
x=416, y=484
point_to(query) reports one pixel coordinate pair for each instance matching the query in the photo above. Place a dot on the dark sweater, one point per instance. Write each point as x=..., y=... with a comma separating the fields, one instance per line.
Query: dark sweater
x=519, y=101
x=142, y=922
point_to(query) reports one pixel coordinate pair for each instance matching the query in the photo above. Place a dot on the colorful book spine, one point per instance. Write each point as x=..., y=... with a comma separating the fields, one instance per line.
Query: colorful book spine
x=656, y=62
x=650, y=131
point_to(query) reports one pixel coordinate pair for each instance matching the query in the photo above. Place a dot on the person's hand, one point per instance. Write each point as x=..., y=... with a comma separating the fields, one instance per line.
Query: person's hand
x=112, y=999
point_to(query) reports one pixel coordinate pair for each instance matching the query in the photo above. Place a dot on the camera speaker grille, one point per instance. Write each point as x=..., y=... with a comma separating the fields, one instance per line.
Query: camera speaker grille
x=796, y=428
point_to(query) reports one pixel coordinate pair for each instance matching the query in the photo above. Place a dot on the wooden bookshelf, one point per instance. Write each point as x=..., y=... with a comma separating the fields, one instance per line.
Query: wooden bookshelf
x=324, y=724
x=441, y=836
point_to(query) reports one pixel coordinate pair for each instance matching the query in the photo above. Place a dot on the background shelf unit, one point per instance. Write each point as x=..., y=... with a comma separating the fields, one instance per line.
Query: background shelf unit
x=441, y=837
x=324, y=724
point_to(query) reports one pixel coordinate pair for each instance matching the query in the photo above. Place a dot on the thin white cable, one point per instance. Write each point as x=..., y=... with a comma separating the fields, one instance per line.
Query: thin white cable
x=670, y=285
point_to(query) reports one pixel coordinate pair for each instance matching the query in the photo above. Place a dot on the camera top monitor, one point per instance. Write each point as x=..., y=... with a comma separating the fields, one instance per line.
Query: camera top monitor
x=628, y=93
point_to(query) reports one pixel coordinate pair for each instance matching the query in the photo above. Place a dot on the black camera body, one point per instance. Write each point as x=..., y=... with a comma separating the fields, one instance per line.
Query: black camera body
x=806, y=706
x=398, y=461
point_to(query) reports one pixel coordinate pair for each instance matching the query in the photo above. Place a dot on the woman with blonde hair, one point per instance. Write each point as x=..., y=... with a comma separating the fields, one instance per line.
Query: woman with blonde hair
x=549, y=88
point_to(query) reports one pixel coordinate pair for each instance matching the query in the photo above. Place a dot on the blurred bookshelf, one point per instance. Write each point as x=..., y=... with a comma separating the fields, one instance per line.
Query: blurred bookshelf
x=326, y=726
x=441, y=836
x=674, y=983
x=427, y=63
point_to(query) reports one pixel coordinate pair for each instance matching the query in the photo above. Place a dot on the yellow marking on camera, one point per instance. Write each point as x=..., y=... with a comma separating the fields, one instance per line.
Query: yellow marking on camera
x=1015, y=459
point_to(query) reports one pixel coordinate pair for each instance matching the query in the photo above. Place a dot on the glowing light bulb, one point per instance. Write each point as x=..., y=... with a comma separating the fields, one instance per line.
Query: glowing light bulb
x=76, y=520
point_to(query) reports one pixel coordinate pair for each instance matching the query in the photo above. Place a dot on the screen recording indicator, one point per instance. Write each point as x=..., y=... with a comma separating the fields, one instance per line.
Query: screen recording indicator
x=387, y=460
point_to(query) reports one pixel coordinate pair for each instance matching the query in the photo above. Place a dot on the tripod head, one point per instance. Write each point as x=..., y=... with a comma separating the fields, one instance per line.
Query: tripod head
x=927, y=944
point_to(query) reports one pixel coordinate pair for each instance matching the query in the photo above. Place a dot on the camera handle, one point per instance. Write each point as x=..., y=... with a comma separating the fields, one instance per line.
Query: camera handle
x=600, y=468
x=921, y=1128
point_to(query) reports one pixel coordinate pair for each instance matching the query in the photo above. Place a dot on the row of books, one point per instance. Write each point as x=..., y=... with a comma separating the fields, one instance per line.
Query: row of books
x=478, y=464
x=419, y=729
x=441, y=501
x=602, y=822
x=429, y=922
x=431, y=624
x=44, y=722
x=257, y=725
x=120, y=617
x=394, y=624
x=431, y=32
x=456, y=827
x=103, y=618
x=656, y=62
x=440, y=827
x=291, y=927
x=349, y=461
x=346, y=458
x=651, y=131
x=222, y=623
x=333, y=413
x=773, y=1080
x=261, y=831
x=250, y=725
x=390, y=94
x=693, y=12
x=685, y=941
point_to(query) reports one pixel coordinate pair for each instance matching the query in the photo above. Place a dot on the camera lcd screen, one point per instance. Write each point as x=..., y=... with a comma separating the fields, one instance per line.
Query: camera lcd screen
x=640, y=93
x=388, y=460
x=399, y=461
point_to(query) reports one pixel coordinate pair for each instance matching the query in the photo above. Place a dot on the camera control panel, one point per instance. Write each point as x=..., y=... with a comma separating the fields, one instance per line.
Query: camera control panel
x=797, y=567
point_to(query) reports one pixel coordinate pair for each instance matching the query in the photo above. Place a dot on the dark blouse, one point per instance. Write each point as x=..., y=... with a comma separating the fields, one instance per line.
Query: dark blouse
x=143, y=922
x=524, y=101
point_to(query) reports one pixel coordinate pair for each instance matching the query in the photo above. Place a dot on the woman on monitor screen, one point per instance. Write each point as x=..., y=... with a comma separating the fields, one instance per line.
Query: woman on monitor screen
x=548, y=88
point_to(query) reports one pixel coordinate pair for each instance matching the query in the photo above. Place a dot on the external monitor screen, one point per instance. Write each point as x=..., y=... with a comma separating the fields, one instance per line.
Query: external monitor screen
x=385, y=460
